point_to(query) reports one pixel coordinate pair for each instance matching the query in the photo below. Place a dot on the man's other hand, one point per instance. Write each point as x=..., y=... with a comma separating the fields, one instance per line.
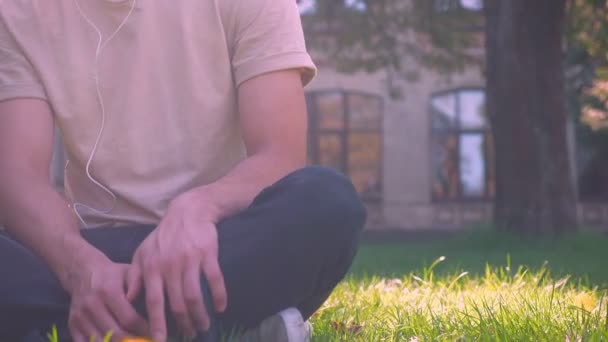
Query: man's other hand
x=99, y=305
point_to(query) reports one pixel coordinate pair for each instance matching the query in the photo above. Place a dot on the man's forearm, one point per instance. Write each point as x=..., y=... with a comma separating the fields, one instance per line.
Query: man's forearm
x=273, y=124
x=37, y=216
x=235, y=191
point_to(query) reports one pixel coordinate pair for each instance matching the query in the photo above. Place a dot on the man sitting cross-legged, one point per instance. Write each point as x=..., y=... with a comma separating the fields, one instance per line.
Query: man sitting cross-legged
x=187, y=206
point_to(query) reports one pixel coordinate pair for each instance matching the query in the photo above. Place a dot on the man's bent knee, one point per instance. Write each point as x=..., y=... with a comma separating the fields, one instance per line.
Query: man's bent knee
x=330, y=197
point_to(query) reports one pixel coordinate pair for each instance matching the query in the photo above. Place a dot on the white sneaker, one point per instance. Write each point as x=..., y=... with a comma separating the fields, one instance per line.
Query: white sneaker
x=286, y=326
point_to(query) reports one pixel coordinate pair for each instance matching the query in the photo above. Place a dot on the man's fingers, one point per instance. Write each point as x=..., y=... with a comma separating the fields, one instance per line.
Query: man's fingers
x=127, y=317
x=178, y=304
x=155, y=303
x=77, y=336
x=194, y=296
x=105, y=323
x=134, y=282
x=82, y=329
x=214, y=276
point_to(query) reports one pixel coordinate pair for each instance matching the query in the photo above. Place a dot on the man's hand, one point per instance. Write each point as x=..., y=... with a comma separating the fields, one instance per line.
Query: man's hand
x=99, y=305
x=172, y=258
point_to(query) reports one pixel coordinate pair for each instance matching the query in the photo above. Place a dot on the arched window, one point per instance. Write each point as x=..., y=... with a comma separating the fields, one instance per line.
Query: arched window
x=462, y=153
x=345, y=133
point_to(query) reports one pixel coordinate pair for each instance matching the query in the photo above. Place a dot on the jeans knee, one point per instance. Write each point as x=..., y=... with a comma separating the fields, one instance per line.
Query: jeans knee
x=332, y=198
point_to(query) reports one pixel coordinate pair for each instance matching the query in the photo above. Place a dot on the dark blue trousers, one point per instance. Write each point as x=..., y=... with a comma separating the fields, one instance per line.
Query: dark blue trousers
x=290, y=248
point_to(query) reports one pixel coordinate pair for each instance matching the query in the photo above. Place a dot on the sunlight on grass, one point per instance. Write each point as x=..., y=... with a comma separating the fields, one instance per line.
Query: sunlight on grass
x=502, y=304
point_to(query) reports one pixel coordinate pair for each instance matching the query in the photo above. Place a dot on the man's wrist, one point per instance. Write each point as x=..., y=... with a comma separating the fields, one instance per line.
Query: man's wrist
x=75, y=266
x=205, y=202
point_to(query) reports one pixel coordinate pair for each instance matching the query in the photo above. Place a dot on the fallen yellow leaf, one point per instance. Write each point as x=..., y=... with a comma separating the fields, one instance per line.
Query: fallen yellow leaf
x=136, y=339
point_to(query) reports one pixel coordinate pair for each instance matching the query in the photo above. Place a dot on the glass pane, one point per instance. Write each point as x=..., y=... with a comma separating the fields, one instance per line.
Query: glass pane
x=472, y=5
x=491, y=166
x=364, y=163
x=307, y=6
x=444, y=5
x=330, y=111
x=445, y=166
x=311, y=149
x=443, y=111
x=365, y=111
x=331, y=151
x=358, y=5
x=472, y=109
x=472, y=165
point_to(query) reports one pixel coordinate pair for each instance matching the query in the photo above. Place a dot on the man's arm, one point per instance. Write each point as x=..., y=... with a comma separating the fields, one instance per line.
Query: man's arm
x=273, y=122
x=32, y=210
x=40, y=218
x=270, y=66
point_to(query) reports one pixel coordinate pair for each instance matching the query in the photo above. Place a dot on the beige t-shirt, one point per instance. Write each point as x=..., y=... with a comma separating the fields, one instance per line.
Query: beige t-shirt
x=168, y=81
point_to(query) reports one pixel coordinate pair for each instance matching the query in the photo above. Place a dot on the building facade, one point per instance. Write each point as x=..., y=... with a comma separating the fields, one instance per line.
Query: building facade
x=421, y=161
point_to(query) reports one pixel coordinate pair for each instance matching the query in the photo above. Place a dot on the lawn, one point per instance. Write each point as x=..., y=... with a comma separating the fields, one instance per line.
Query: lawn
x=476, y=286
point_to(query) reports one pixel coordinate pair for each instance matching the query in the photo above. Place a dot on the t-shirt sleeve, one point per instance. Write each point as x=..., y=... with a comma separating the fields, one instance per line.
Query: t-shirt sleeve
x=266, y=36
x=18, y=78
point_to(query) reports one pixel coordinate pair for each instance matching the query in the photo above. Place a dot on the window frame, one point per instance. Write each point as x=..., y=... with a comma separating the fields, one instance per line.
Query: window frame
x=458, y=132
x=315, y=132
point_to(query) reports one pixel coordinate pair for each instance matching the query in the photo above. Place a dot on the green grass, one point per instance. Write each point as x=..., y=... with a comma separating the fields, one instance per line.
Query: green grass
x=488, y=287
x=583, y=255
x=476, y=286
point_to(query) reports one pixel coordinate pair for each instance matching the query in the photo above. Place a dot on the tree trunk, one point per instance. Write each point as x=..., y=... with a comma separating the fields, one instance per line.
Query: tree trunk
x=526, y=102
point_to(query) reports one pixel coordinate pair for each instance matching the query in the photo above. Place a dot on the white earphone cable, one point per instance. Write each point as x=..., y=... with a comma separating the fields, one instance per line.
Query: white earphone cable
x=101, y=44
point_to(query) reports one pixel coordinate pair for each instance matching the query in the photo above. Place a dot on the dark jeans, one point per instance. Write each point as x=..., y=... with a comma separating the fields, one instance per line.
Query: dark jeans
x=290, y=248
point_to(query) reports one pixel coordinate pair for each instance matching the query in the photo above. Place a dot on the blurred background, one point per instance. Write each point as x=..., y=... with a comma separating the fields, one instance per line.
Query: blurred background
x=450, y=113
x=402, y=105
